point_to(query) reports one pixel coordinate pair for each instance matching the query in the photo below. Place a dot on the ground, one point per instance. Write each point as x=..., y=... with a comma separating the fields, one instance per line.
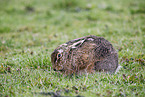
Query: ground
x=31, y=29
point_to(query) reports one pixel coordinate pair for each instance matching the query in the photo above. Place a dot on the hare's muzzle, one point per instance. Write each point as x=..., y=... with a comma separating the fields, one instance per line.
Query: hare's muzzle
x=58, y=68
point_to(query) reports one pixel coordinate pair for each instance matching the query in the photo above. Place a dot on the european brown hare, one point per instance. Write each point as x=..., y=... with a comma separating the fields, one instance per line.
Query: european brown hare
x=86, y=54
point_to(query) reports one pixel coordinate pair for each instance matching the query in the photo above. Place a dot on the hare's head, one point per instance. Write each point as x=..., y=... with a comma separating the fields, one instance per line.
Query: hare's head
x=61, y=56
x=57, y=58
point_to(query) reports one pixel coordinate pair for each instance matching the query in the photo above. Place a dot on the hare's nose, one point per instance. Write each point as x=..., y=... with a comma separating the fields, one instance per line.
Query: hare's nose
x=54, y=69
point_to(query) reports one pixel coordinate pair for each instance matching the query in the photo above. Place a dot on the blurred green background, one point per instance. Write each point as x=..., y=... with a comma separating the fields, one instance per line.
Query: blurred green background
x=31, y=29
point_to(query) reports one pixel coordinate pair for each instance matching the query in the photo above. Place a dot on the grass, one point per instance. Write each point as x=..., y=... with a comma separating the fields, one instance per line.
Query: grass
x=31, y=29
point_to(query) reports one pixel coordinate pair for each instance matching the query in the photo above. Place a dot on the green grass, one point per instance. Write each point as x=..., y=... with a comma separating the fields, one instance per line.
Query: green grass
x=31, y=29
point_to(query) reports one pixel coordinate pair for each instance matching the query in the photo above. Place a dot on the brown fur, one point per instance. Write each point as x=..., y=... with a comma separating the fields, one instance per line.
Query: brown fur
x=86, y=54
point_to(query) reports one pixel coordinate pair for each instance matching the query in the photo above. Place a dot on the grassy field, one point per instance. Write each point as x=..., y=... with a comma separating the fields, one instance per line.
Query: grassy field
x=31, y=29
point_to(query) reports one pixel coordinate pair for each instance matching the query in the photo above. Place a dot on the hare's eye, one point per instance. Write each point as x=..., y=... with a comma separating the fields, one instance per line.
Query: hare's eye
x=58, y=55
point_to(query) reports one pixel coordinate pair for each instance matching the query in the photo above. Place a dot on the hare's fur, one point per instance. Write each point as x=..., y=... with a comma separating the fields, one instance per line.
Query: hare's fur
x=86, y=54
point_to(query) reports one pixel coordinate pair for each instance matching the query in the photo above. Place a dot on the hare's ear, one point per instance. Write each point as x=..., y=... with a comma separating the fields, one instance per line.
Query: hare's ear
x=77, y=44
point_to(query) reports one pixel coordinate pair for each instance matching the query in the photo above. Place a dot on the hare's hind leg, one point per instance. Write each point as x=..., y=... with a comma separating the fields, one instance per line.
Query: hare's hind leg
x=107, y=65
